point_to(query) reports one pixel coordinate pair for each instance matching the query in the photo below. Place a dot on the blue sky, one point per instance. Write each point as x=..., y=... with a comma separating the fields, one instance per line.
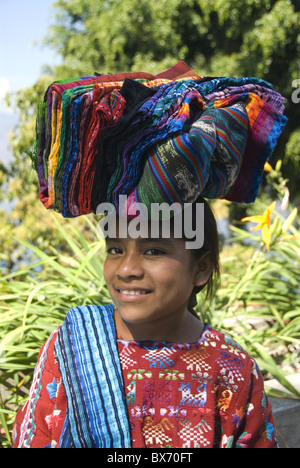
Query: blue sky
x=22, y=23
x=23, y=26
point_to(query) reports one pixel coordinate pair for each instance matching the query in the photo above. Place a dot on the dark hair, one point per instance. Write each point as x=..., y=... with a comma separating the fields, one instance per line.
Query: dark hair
x=211, y=245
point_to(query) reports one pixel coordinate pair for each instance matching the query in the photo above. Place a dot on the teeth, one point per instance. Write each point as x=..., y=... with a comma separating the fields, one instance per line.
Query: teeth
x=132, y=293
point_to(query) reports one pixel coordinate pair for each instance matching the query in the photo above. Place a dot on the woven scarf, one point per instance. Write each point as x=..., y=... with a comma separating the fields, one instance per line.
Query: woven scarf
x=89, y=363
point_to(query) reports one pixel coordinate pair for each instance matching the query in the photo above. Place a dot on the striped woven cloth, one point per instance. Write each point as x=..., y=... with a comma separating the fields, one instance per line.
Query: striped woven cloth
x=167, y=138
x=86, y=350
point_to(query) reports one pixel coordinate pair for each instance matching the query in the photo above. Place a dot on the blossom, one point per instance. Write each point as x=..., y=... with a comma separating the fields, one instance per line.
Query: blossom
x=268, y=167
x=264, y=223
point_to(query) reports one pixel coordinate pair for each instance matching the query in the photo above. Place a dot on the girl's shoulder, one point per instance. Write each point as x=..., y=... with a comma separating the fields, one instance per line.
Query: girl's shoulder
x=215, y=338
x=226, y=353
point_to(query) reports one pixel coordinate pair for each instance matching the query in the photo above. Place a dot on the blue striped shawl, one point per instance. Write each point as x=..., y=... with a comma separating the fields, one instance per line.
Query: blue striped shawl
x=86, y=350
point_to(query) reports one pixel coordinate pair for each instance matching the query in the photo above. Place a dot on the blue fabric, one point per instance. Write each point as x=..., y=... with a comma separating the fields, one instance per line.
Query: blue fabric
x=88, y=357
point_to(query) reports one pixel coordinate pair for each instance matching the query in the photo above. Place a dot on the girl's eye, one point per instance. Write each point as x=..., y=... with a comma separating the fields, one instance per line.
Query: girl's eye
x=154, y=252
x=113, y=251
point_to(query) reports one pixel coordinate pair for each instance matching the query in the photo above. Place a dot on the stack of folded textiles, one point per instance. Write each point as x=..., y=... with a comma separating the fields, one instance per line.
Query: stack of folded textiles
x=165, y=138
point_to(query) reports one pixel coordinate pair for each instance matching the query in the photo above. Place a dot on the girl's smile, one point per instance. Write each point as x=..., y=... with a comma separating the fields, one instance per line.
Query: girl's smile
x=131, y=294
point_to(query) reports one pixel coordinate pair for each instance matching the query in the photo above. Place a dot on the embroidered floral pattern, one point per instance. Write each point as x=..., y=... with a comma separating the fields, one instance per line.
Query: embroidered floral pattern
x=194, y=395
x=53, y=419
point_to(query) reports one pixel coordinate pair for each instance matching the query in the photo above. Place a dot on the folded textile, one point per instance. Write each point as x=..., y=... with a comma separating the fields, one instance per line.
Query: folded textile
x=47, y=147
x=135, y=94
x=181, y=167
x=165, y=138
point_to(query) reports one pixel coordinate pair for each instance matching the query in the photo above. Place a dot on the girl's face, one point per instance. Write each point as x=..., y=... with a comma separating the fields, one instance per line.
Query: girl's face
x=150, y=281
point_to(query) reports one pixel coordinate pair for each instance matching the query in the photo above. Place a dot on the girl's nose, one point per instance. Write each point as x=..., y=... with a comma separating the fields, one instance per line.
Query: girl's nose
x=130, y=266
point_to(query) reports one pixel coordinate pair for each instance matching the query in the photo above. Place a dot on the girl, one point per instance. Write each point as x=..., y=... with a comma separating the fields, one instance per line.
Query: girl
x=146, y=372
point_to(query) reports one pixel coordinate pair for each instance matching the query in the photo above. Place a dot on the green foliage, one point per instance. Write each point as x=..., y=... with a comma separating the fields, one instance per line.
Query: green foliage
x=293, y=149
x=224, y=36
x=109, y=36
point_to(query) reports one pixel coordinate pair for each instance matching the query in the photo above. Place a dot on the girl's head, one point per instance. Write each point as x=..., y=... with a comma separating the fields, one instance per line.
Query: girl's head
x=154, y=281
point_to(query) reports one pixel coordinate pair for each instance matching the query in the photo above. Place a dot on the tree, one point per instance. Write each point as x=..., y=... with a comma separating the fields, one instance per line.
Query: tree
x=222, y=37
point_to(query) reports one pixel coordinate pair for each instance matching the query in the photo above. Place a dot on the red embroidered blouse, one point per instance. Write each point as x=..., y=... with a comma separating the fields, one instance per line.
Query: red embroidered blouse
x=205, y=394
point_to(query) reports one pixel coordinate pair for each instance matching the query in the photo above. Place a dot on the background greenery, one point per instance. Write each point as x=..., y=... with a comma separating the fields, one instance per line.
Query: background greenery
x=49, y=264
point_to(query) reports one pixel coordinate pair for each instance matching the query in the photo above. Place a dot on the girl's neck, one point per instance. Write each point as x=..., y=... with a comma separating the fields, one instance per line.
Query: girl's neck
x=188, y=330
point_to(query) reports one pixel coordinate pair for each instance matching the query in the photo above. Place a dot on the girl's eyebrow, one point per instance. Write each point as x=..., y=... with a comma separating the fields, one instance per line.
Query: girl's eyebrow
x=142, y=240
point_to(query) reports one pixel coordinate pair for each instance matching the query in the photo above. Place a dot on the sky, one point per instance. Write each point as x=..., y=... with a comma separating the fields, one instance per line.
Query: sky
x=23, y=26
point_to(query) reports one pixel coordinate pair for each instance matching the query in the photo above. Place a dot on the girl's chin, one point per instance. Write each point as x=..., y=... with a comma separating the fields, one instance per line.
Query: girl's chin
x=135, y=314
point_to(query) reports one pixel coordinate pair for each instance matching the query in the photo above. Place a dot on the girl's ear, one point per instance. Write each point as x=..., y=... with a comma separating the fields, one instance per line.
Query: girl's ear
x=204, y=269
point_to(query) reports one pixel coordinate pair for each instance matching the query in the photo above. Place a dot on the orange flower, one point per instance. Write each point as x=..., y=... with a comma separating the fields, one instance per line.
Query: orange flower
x=268, y=167
x=264, y=223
